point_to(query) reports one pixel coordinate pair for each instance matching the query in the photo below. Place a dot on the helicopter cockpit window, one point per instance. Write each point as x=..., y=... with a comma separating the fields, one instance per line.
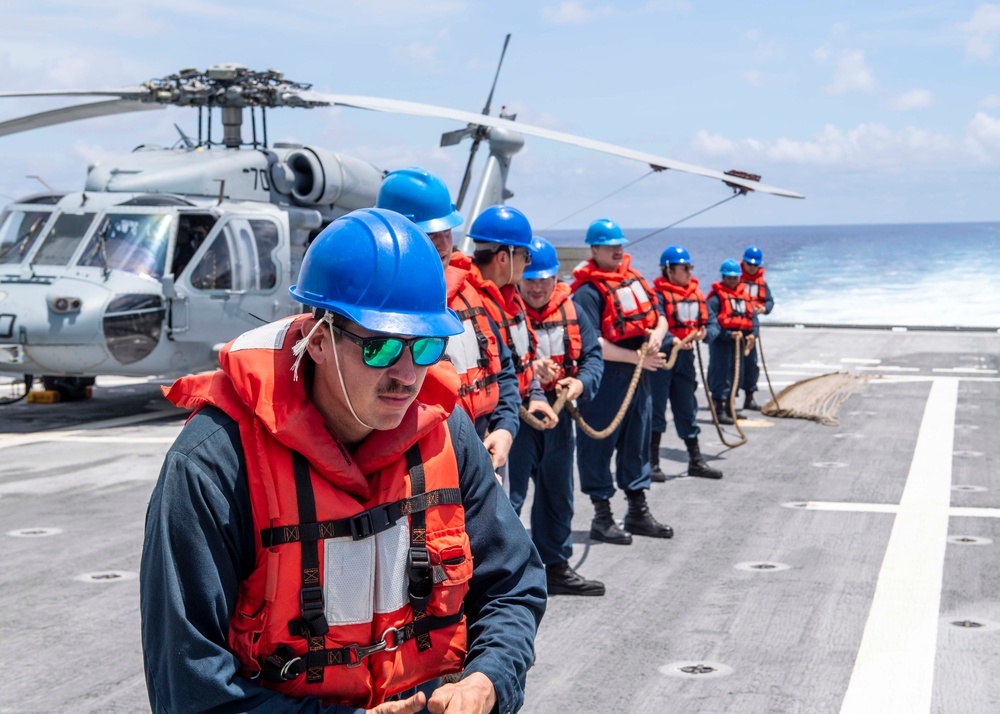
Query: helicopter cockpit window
x=134, y=242
x=61, y=242
x=240, y=258
x=192, y=229
x=18, y=231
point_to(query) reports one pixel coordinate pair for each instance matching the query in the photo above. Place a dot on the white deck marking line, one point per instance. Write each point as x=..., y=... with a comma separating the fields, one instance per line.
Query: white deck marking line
x=894, y=669
x=848, y=507
x=860, y=360
x=888, y=368
x=964, y=370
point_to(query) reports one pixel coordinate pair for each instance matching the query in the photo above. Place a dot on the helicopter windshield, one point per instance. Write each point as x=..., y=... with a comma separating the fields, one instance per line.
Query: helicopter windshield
x=134, y=242
x=18, y=231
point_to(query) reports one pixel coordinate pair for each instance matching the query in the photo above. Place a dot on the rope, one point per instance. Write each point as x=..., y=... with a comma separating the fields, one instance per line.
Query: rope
x=561, y=401
x=760, y=348
x=591, y=205
x=732, y=397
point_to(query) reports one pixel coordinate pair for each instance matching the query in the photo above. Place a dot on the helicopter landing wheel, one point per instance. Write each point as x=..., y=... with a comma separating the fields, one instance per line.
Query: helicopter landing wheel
x=70, y=389
x=14, y=388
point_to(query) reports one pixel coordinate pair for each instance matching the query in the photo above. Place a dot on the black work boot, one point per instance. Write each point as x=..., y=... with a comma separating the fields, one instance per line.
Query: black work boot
x=696, y=464
x=655, y=472
x=604, y=528
x=563, y=580
x=722, y=411
x=640, y=521
x=749, y=403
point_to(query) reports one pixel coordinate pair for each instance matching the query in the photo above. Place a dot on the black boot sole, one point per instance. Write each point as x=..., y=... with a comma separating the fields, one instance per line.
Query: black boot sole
x=702, y=474
x=635, y=529
x=587, y=591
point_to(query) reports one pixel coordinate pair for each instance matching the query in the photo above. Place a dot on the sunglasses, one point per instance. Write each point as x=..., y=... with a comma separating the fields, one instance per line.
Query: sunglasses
x=526, y=254
x=382, y=352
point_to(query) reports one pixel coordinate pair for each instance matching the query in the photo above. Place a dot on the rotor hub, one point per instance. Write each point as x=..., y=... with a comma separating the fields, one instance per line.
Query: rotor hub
x=228, y=86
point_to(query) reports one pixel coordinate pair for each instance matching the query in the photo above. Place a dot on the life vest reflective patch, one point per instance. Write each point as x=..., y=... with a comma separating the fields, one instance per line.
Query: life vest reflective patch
x=551, y=340
x=266, y=337
x=464, y=351
x=754, y=290
x=735, y=312
x=738, y=306
x=756, y=286
x=631, y=296
x=688, y=310
x=684, y=306
x=364, y=577
x=519, y=335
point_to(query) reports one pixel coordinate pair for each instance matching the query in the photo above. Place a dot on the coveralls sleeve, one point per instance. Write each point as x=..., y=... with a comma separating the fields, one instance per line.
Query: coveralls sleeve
x=713, y=330
x=506, y=598
x=591, y=358
x=769, y=301
x=590, y=304
x=198, y=545
x=505, y=416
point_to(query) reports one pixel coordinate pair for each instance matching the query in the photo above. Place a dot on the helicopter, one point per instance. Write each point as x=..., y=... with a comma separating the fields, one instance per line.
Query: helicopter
x=166, y=254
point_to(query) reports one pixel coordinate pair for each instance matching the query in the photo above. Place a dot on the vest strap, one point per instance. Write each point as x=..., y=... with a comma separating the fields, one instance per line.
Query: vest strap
x=282, y=665
x=476, y=386
x=419, y=570
x=363, y=525
x=311, y=595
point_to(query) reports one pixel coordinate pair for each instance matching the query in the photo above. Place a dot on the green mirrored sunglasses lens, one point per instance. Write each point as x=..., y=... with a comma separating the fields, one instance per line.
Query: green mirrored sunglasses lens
x=382, y=353
x=428, y=350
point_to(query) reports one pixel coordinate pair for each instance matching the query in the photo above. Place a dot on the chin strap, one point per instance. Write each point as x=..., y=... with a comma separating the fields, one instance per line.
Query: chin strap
x=300, y=349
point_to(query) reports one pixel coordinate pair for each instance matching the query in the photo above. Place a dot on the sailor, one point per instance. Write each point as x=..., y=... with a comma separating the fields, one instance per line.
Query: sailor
x=502, y=240
x=612, y=294
x=327, y=529
x=684, y=306
x=488, y=391
x=763, y=302
x=729, y=316
x=568, y=360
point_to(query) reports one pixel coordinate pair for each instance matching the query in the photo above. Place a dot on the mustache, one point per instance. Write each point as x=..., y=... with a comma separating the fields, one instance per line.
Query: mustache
x=395, y=388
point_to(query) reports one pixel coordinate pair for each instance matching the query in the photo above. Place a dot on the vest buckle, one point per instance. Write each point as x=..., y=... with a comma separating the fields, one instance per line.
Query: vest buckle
x=359, y=652
x=362, y=526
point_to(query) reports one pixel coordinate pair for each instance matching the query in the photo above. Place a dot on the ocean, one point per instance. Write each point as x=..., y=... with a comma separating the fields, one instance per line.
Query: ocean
x=942, y=274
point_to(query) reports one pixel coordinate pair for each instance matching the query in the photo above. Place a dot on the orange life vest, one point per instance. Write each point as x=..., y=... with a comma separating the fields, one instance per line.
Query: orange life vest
x=362, y=560
x=629, y=302
x=755, y=285
x=558, y=333
x=506, y=308
x=474, y=354
x=684, y=306
x=735, y=312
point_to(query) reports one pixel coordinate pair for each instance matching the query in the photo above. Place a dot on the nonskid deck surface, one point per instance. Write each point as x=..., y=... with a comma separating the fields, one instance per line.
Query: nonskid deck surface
x=823, y=573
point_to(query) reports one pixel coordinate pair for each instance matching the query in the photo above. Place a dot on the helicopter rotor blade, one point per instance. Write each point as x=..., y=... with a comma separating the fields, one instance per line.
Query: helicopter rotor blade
x=395, y=106
x=74, y=113
x=489, y=99
x=123, y=93
x=467, y=176
x=450, y=138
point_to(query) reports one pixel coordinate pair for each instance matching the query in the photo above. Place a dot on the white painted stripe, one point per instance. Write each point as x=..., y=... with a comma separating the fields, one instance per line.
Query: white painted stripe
x=812, y=365
x=894, y=669
x=890, y=368
x=36, y=437
x=848, y=507
x=860, y=360
x=964, y=370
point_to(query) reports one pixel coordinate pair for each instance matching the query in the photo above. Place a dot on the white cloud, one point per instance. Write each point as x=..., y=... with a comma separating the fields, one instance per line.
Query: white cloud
x=983, y=29
x=752, y=77
x=575, y=13
x=867, y=146
x=668, y=5
x=991, y=101
x=914, y=99
x=852, y=74
x=822, y=53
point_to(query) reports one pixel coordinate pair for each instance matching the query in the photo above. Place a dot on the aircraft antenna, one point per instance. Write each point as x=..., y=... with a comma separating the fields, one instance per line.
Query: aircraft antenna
x=43, y=182
x=602, y=198
x=737, y=194
x=479, y=132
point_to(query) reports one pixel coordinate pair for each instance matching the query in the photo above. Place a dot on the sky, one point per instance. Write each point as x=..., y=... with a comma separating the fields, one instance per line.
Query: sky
x=883, y=112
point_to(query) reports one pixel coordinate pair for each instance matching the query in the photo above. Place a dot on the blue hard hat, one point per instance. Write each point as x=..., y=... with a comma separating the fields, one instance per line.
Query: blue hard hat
x=604, y=231
x=731, y=268
x=675, y=255
x=504, y=225
x=544, y=261
x=376, y=268
x=420, y=196
x=753, y=255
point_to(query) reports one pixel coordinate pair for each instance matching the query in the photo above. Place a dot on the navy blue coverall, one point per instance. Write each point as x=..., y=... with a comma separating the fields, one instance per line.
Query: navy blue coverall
x=631, y=438
x=679, y=385
x=547, y=458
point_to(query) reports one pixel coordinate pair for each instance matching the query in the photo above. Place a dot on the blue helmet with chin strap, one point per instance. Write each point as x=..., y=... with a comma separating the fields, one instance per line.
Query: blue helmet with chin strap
x=504, y=225
x=730, y=268
x=420, y=196
x=753, y=255
x=675, y=255
x=376, y=268
x=544, y=260
x=604, y=231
